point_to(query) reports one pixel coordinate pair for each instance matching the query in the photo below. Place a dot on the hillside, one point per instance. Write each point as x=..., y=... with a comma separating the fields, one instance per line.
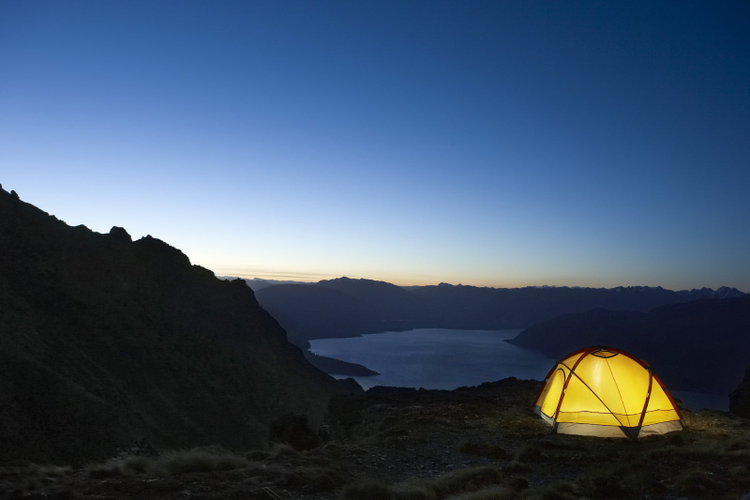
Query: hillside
x=104, y=341
x=476, y=443
x=700, y=346
x=346, y=307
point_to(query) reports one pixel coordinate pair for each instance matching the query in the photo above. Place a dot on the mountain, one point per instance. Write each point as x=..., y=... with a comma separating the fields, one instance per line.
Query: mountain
x=701, y=345
x=259, y=283
x=104, y=341
x=314, y=308
x=346, y=307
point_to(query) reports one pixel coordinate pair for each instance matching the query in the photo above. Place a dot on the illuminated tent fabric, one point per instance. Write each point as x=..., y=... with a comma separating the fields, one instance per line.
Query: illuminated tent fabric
x=602, y=391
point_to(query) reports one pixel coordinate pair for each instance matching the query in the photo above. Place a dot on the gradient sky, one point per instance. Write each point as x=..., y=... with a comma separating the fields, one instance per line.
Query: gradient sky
x=488, y=143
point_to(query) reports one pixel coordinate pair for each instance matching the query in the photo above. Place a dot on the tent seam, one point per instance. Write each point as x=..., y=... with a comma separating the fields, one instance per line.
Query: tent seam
x=619, y=392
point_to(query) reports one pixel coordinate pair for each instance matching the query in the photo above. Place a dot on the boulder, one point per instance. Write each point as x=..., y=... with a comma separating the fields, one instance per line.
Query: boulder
x=739, y=399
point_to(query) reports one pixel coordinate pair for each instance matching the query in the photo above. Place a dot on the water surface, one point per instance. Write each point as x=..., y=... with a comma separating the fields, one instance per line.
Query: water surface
x=446, y=359
x=437, y=358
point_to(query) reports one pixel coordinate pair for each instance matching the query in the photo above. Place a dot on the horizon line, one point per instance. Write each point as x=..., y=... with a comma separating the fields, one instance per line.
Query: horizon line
x=299, y=277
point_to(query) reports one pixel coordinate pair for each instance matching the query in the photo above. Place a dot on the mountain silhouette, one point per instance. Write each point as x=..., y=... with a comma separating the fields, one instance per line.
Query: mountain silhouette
x=701, y=345
x=346, y=307
x=104, y=341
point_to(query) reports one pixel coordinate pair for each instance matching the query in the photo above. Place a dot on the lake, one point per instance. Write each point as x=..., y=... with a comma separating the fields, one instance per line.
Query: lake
x=447, y=359
x=436, y=358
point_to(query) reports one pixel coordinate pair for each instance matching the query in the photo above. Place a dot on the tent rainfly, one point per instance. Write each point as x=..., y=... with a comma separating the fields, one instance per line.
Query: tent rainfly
x=603, y=391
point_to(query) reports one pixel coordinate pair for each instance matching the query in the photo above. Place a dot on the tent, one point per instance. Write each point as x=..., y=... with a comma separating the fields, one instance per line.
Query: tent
x=603, y=391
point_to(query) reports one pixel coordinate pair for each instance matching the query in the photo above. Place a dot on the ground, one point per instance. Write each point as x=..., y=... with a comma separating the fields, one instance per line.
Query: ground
x=473, y=443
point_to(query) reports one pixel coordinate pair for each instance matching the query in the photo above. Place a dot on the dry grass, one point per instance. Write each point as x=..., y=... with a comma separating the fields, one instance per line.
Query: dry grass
x=172, y=462
x=516, y=466
x=613, y=482
x=367, y=490
x=283, y=450
x=453, y=483
x=199, y=460
x=50, y=470
x=461, y=480
x=562, y=490
x=491, y=493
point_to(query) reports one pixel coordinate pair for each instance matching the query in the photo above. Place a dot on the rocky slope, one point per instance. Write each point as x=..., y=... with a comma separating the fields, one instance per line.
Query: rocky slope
x=104, y=341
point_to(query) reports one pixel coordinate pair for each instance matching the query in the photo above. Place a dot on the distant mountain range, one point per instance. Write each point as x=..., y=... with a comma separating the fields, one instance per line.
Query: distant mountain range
x=260, y=283
x=346, y=307
x=104, y=341
x=701, y=345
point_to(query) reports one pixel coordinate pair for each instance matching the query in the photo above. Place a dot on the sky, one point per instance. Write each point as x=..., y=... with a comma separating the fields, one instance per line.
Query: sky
x=489, y=143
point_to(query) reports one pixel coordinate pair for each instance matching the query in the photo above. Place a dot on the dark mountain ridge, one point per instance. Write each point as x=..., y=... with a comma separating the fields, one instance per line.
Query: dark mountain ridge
x=367, y=306
x=104, y=341
x=701, y=346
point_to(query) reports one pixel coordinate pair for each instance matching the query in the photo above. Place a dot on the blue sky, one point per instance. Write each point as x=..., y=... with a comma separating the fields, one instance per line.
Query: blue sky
x=487, y=143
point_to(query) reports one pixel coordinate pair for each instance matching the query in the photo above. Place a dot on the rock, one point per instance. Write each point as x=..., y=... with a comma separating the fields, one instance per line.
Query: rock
x=120, y=234
x=739, y=399
x=293, y=430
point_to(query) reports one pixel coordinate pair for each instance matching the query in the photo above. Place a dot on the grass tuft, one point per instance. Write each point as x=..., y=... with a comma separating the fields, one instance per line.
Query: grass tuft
x=516, y=466
x=200, y=460
x=413, y=492
x=367, y=490
x=491, y=493
x=517, y=483
x=283, y=450
x=562, y=490
x=696, y=482
x=458, y=481
x=50, y=470
x=608, y=483
x=172, y=462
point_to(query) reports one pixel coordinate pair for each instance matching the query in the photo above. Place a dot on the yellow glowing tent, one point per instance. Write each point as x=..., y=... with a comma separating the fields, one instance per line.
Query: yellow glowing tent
x=603, y=391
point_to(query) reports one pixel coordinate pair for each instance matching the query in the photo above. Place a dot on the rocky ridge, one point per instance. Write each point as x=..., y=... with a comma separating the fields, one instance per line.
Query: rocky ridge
x=105, y=341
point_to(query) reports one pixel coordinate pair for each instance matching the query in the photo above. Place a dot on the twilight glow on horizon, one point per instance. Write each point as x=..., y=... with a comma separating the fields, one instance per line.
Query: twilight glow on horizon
x=488, y=143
